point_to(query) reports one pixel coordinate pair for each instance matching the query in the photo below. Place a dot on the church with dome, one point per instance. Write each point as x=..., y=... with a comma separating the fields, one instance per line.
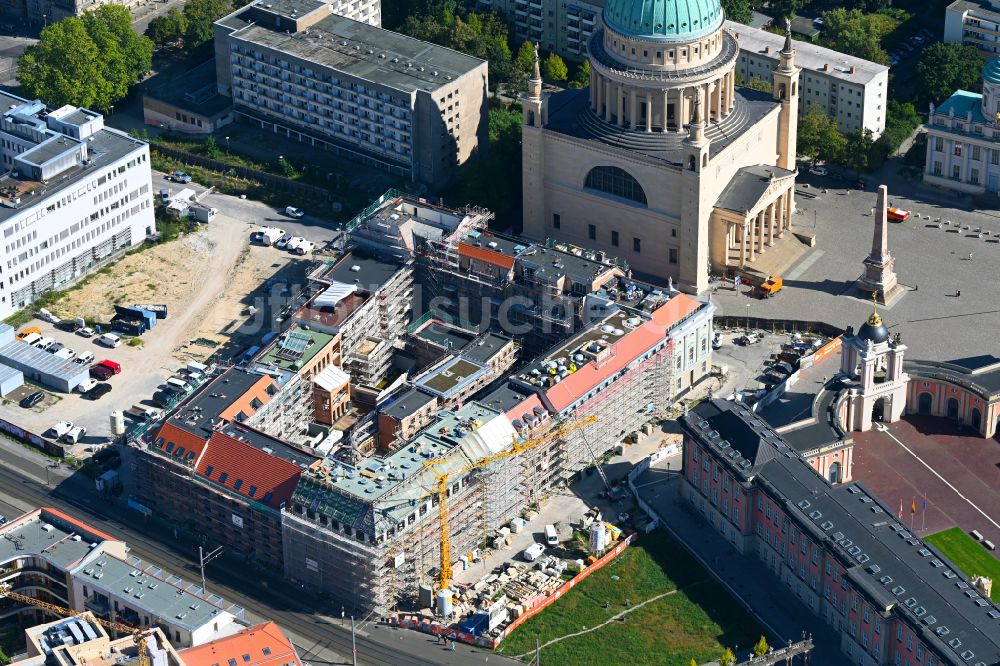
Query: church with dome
x=664, y=162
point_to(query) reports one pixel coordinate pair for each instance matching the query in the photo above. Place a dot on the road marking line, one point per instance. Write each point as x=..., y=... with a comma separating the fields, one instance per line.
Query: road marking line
x=885, y=429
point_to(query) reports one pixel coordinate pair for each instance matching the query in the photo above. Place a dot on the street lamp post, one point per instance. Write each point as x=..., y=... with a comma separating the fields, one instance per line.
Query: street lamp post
x=227, y=144
x=748, y=316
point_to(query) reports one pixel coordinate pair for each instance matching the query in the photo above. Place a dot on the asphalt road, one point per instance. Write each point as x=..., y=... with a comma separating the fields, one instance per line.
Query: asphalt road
x=321, y=639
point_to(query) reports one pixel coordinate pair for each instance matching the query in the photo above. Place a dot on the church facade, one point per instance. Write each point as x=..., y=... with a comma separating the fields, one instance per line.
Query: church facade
x=663, y=161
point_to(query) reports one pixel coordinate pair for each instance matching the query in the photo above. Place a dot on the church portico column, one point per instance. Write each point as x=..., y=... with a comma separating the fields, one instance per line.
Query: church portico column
x=760, y=230
x=666, y=108
x=593, y=90
x=649, y=112
x=607, y=100
x=752, y=223
x=771, y=208
x=632, y=110
x=681, y=111
x=620, y=105
x=743, y=243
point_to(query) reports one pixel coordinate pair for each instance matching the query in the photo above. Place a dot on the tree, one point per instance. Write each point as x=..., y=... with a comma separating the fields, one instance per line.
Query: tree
x=757, y=83
x=167, y=28
x=200, y=15
x=818, y=136
x=855, y=33
x=89, y=61
x=4, y=659
x=858, y=151
x=901, y=119
x=581, y=77
x=727, y=658
x=761, y=648
x=555, y=68
x=738, y=10
x=786, y=8
x=945, y=68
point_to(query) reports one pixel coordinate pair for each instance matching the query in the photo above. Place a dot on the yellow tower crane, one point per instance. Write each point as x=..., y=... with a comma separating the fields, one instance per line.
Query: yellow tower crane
x=441, y=483
x=137, y=634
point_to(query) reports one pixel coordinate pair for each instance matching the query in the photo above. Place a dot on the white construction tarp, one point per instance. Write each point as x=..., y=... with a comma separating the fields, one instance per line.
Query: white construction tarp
x=334, y=294
x=331, y=378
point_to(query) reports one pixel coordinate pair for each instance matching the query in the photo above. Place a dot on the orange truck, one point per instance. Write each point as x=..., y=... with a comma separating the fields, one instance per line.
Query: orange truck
x=767, y=288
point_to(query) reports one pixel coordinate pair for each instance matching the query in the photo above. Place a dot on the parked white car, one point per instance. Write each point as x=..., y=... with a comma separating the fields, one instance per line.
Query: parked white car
x=61, y=428
x=292, y=211
x=294, y=243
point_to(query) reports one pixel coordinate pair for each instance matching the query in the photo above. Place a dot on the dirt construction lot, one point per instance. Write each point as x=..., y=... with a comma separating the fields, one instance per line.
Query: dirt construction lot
x=205, y=278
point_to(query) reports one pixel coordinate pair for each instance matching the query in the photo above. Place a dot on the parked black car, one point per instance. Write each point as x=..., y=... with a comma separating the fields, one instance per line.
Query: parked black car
x=33, y=399
x=98, y=391
x=70, y=325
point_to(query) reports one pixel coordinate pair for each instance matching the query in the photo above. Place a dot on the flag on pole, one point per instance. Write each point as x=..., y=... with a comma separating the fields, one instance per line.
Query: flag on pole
x=913, y=506
x=900, y=508
x=925, y=503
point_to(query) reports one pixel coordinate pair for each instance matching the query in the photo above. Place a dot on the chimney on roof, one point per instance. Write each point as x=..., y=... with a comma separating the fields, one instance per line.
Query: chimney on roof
x=852, y=69
x=826, y=67
x=767, y=49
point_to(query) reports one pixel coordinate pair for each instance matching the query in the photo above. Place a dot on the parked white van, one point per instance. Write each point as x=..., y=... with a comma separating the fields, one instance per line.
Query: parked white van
x=109, y=340
x=551, y=538
x=533, y=552
x=178, y=385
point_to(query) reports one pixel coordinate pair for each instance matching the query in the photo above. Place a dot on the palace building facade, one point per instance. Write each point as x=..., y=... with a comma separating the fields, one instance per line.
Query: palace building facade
x=664, y=161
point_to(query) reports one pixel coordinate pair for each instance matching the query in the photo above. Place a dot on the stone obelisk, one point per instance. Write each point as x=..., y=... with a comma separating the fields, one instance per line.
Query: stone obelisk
x=879, y=279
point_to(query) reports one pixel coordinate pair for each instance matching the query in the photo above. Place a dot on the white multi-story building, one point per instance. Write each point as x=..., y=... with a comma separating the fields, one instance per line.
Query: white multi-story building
x=563, y=27
x=384, y=99
x=963, y=138
x=974, y=22
x=73, y=193
x=850, y=90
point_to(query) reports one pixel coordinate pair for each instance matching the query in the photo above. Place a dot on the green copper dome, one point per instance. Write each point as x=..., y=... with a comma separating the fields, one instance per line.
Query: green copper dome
x=666, y=20
x=991, y=73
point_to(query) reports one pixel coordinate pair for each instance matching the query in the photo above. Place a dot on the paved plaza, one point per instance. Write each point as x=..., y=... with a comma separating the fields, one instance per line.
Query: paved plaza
x=932, y=263
x=922, y=455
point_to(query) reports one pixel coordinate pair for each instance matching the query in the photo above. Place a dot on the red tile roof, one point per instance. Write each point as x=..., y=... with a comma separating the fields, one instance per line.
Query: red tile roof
x=182, y=441
x=489, y=256
x=250, y=468
x=629, y=347
x=260, y=645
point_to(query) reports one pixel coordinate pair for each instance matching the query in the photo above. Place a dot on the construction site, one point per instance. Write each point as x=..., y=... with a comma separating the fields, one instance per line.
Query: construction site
x=405, y=433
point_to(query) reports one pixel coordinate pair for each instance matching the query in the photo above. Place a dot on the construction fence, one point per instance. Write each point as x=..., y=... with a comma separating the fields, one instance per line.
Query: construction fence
x=538, y=605
x=777, y=325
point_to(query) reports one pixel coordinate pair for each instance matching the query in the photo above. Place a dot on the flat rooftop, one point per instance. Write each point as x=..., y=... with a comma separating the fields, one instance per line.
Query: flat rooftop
x=451, y=376
x=485, y=348
x=810, y=57
x=162, y=595
x=46, y=536
x=198, y=414
x=368, y=272
x=407, y=403
x=574, y=353
x=295, y=348
x=379, y=490
x=194, y=90
x=445, y=335
x=362, y=51
x=103, y=147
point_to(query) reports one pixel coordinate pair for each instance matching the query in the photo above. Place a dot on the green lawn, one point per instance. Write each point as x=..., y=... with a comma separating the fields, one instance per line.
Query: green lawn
x=967, y=555
x=696, y=622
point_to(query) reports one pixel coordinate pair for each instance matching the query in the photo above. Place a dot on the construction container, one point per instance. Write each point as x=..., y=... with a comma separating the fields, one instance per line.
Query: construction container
x=128, y=327
x=517, y=525
x=425, y=595
x=159, y=308
x=117, y=423
x=444, y=603
x=132, y=313
x=598, y=537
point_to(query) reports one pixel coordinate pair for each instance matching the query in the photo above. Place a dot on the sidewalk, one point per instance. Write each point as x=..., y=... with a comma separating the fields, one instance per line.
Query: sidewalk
x=746, y=578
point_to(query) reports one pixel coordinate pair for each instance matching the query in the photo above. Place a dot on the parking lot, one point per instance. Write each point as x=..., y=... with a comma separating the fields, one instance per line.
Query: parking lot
x=141, y=374
x=208, y=279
